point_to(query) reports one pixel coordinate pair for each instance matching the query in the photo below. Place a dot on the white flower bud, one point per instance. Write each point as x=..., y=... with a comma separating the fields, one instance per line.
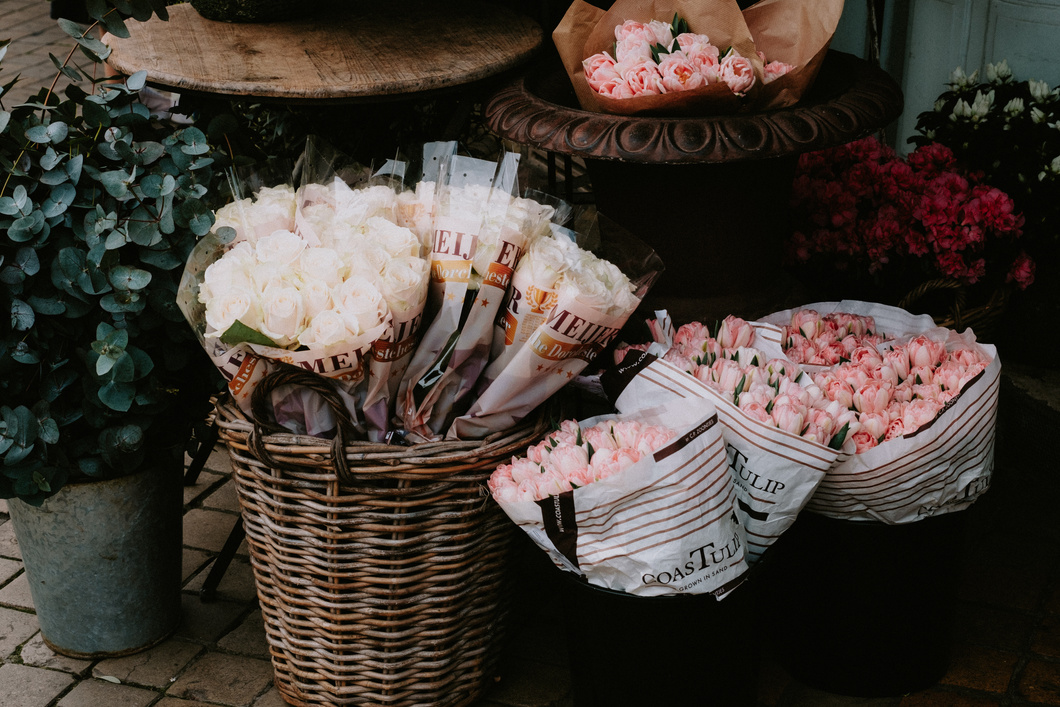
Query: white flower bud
x=1039, y=90
x=959, y=81
x=961, y=110
x=982, y=104
x=1037, y=115
x=1014, y=107
x=998, y=73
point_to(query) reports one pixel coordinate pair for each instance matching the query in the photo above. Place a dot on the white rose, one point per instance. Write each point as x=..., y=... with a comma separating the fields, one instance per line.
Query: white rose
x=234, y=216
x=404, y=283
x=360, y=303
x=545, y=261
x=273, y=210
x=317, y=296
x=319, y=220
x=357, y=206
x=327, y=328
x=397, y=241
x=282, y=314
x=366, y=259
x=321, y=264
x=587, y=289
x=280, y=247
x=341, y=237
x=415, y=211
x=231, y=270
x=266, y=275
x=233, y=304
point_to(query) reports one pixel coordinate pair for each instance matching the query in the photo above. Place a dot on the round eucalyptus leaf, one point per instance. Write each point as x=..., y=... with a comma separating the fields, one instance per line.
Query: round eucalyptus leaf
x=117, y=396
x=47, y=306
x=26, y=260
x=123, y=370
x=24, y=354
x=22, y=316
x=137, y=81
x=116, y=183
x=38, y=134
x=125, y=277
x=57, y=132
x=50, y=159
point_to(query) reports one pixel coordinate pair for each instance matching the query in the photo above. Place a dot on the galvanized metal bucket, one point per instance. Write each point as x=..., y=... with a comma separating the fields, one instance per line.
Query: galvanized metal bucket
x=103, y=561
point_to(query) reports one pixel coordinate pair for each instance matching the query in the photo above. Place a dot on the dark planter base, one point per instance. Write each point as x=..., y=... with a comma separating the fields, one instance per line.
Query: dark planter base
x=676, y=650
x=863, y=608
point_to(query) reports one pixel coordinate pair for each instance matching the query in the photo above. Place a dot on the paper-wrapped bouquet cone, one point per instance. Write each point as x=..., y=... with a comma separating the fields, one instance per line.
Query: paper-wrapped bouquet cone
x=796, y=32
x=791, y=31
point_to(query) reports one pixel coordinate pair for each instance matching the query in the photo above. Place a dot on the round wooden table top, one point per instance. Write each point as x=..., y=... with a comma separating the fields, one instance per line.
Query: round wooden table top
x=361, y=50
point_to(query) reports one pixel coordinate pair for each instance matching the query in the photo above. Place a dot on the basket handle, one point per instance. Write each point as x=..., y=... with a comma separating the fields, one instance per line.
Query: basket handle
x=959, y=296
x=265, y=423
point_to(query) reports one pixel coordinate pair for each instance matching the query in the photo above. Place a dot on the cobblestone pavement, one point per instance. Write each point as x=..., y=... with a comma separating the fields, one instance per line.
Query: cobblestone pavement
x=1006, y=649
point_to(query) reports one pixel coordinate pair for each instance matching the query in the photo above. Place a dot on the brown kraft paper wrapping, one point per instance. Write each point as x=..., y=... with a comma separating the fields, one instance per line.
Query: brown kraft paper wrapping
x=791, y=31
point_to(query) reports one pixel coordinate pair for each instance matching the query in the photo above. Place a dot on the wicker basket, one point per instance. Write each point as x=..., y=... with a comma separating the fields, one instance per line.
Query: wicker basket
x=381, y=571
x=984, y=319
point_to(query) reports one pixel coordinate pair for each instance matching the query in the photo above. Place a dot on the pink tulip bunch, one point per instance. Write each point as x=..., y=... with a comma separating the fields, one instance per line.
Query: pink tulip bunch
x=571, y=458
x=898, y=391
x=829, y=339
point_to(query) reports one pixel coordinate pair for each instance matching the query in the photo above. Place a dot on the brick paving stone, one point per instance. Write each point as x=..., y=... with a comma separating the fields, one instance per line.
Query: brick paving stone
x=979, y=668
x=157, y=667
x=37, y=653
x=531, y=684
x=1018, y=588
x=208, y=621
x=208, y=530
x=3, y=506
x=26, y=686
x=224, y=499
x=992, y=626
x=799, y=695
x=236, y=584
x=15, y=628
x=271, y=698
x=1046, y=640
x=1040, y=683
x=177, y=702
x=191, y=562
x=227, y=679
x=8, y=569
x=205, y=482
x=96, y=693
x=248, y=638
x=8, y=541
x=940, y=698
x=220, y=461
x=16, y=593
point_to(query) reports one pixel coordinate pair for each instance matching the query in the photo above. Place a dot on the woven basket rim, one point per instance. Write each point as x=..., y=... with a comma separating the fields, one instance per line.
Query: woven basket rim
x=231, y=419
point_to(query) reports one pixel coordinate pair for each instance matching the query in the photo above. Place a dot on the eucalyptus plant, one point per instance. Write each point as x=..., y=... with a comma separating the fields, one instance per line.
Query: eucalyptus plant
x=100, y=205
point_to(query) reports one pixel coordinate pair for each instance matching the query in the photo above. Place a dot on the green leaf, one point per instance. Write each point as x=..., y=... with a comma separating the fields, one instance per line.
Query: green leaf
x=59, y=200
x=50, y=159
x=123, y=370
x=41, y=482
x=22, y=316
x=103, y=364
x=38, y=134
x=124, y=277
x=840, y=437
x=47, y=307
x=55, y=176
x=117, y=396
x=116, y=183
x=240, y=333
x=73, y=168
x=57, y=132
x=26, y=260
x=22, y=353
x=137, y=81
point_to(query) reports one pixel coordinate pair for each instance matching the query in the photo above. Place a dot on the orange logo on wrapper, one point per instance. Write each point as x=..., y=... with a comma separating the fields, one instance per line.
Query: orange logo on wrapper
x=388, y=351
x=243, y=375
x=540, y=301
x=497, y=275
x=451, y=270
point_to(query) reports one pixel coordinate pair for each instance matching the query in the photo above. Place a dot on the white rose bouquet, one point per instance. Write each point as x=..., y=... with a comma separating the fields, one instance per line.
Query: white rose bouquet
x=565, y=306
x=336, y=288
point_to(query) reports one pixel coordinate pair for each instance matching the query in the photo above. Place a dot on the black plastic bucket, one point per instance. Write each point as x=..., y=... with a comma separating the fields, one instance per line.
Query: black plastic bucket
x=635, y=651
x=865, y=608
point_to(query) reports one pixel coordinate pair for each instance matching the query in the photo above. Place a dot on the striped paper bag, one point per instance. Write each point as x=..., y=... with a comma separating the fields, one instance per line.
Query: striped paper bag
x=774, y=471
x=942, y=467
x=665, y=525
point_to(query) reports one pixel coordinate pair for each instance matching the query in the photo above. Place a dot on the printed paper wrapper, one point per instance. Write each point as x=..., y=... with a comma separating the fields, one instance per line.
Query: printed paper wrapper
x=244, y=365
x=944, y=466
x=774, y=471
x=554, y=337
x=665, y=525
x=794, y=31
